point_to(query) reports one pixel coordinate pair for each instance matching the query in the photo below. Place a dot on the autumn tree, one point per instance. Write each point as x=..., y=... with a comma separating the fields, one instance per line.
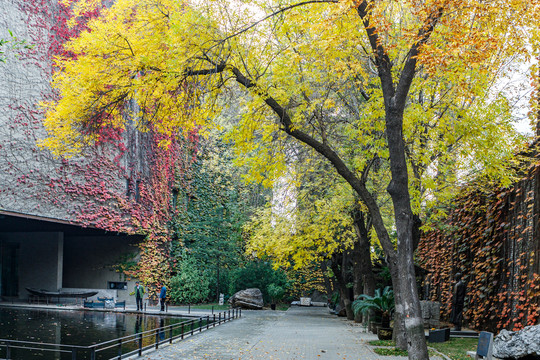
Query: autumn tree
x=424, y=71
x=324, y=224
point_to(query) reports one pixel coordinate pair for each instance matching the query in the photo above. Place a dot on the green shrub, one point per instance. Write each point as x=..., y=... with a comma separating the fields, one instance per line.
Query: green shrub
x=382, y=303
x=191, y=285
x=275, y=292
x=224, y=284
x=257, y=275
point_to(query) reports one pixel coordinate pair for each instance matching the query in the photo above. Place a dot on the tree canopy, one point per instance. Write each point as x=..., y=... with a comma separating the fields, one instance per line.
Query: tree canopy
x=409, y=84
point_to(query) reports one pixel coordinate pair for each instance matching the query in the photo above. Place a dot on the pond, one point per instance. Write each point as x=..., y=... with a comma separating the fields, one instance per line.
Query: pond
x=73, y=327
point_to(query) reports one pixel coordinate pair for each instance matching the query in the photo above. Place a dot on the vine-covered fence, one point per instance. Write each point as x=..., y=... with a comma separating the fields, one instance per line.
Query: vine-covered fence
x=492, y=238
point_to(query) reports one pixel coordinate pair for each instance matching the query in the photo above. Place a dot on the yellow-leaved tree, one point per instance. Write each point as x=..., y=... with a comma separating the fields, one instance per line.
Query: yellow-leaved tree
x=408, y=84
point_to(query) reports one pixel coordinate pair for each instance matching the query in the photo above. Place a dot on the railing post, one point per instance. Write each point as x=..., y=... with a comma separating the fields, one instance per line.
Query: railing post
x=8, y=351
x=157, y=338
x=214, y=322
x=207, y=322
x=140, y=344
x=200, y=324
x=229, y=314
x=192, y=324
x=119, y=349
x=182, y=332
x=74, y=354
x=219, y=318
x=93, y=353
x=170, y=334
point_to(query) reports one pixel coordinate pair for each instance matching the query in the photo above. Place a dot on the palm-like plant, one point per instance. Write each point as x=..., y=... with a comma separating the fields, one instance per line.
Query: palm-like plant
x=382, y=303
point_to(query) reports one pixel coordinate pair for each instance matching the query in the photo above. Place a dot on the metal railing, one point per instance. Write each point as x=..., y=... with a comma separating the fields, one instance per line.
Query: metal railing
x=125, y=346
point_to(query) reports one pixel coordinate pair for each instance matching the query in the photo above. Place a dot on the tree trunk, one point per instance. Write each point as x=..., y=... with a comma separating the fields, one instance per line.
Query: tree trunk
x=339, y=267
x=327, y=284
x=363, y=277
x=407, y=299
x=346, y=273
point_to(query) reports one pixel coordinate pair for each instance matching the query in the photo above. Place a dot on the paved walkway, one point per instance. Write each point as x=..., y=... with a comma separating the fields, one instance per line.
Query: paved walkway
x=299, y=333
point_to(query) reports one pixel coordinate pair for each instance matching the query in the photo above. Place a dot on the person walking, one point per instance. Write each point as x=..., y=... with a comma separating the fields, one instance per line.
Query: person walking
x=139, y=294
x=162, y=296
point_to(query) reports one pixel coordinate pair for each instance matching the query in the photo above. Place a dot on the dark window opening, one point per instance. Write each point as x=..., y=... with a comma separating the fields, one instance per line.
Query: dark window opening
x=137, y=190
x=175, y=193
x=117, y=285
x=9, y=269
x=128, y=188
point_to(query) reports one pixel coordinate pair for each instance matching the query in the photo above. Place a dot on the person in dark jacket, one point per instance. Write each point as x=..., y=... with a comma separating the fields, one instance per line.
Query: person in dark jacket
x=458, y=301
x=162, y=296
x=139, y=294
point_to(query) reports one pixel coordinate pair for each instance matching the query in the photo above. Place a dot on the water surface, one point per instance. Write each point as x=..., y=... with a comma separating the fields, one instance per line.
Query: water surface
x=73, y=327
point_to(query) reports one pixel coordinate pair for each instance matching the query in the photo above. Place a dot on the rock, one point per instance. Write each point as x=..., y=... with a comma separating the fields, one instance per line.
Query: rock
x=431, y=313
x=341, y=312
x=518, y=344
x=248, y=299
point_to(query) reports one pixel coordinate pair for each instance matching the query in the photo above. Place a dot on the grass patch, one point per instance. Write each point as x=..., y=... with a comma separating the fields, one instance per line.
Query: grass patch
x=456, y=348
x=382, y=343
x=384, y=351
x=282, y=307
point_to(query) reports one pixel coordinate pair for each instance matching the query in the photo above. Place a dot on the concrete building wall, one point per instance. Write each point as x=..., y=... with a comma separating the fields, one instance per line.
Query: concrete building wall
x=89, y=263
x=24, y=82
x=40, y=260
x=32, y=180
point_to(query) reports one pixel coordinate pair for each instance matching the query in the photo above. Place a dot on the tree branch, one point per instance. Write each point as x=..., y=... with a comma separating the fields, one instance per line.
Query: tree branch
x=409, y=69
x=277, y=12
x=382, y=60
x=327, y=152
x=216, y=70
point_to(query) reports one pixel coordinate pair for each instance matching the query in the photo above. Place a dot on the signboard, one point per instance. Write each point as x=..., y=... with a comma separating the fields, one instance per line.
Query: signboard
x=221, y=299
x=485, y=345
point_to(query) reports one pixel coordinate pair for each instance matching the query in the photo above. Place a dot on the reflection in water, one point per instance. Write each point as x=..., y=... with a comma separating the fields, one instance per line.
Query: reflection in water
x=138, y=323
x=72, y=327
x=161, y=332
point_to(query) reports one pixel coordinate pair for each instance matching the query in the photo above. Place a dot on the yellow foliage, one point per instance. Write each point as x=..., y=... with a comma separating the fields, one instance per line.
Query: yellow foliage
x=164, y=64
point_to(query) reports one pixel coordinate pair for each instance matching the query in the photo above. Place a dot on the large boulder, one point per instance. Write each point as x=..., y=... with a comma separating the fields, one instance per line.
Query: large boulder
x=518, y=344
x=248, y=299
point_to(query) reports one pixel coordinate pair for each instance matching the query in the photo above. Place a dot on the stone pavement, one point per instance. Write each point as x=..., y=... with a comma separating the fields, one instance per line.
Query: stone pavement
x=299, y=333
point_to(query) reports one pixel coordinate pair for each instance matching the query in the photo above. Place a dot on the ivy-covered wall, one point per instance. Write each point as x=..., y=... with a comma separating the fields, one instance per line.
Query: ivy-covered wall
x=492, y=237
x=122, y=183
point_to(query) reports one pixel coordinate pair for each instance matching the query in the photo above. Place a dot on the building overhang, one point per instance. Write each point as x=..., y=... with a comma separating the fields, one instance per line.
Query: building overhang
x=11, y=221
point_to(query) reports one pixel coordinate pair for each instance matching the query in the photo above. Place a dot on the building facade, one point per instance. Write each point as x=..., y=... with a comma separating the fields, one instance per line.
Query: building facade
x=67, y=223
